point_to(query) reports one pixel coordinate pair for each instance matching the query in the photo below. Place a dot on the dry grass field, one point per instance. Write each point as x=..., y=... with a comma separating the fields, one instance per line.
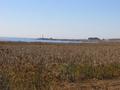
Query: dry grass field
x=40, y=66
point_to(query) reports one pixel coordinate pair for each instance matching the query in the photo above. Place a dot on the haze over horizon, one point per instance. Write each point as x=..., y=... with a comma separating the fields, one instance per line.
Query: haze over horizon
x=60, y=18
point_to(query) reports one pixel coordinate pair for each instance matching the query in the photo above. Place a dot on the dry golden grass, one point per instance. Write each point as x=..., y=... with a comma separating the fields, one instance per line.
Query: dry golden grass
x=40, y=66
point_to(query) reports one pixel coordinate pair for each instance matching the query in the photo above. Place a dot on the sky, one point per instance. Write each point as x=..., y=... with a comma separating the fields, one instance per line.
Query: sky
x=60, y=18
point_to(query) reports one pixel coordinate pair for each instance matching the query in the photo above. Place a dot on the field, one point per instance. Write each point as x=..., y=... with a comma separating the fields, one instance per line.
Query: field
x=41, y=66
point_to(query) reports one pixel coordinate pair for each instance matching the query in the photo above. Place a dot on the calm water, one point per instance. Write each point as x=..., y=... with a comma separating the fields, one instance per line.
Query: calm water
x=35, y=40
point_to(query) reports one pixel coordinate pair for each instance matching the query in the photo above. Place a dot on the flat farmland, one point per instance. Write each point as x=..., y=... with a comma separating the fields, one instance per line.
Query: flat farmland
x=42, y=66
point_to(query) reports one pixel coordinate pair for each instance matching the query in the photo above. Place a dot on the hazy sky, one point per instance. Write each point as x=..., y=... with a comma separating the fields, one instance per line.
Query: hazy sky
x=60, y=18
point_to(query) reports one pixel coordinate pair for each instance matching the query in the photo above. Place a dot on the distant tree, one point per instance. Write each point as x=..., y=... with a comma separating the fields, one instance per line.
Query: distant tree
x=94, y=38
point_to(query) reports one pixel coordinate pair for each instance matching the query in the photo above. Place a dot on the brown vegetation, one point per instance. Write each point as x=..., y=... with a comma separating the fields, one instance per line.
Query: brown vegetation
x=36, y=66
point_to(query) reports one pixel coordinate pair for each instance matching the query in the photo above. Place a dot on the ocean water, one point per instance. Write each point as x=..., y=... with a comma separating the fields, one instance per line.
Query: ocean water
x=35, y=40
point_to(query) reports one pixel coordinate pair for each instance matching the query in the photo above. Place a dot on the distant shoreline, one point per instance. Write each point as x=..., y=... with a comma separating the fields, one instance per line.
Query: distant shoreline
x=51, y=40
